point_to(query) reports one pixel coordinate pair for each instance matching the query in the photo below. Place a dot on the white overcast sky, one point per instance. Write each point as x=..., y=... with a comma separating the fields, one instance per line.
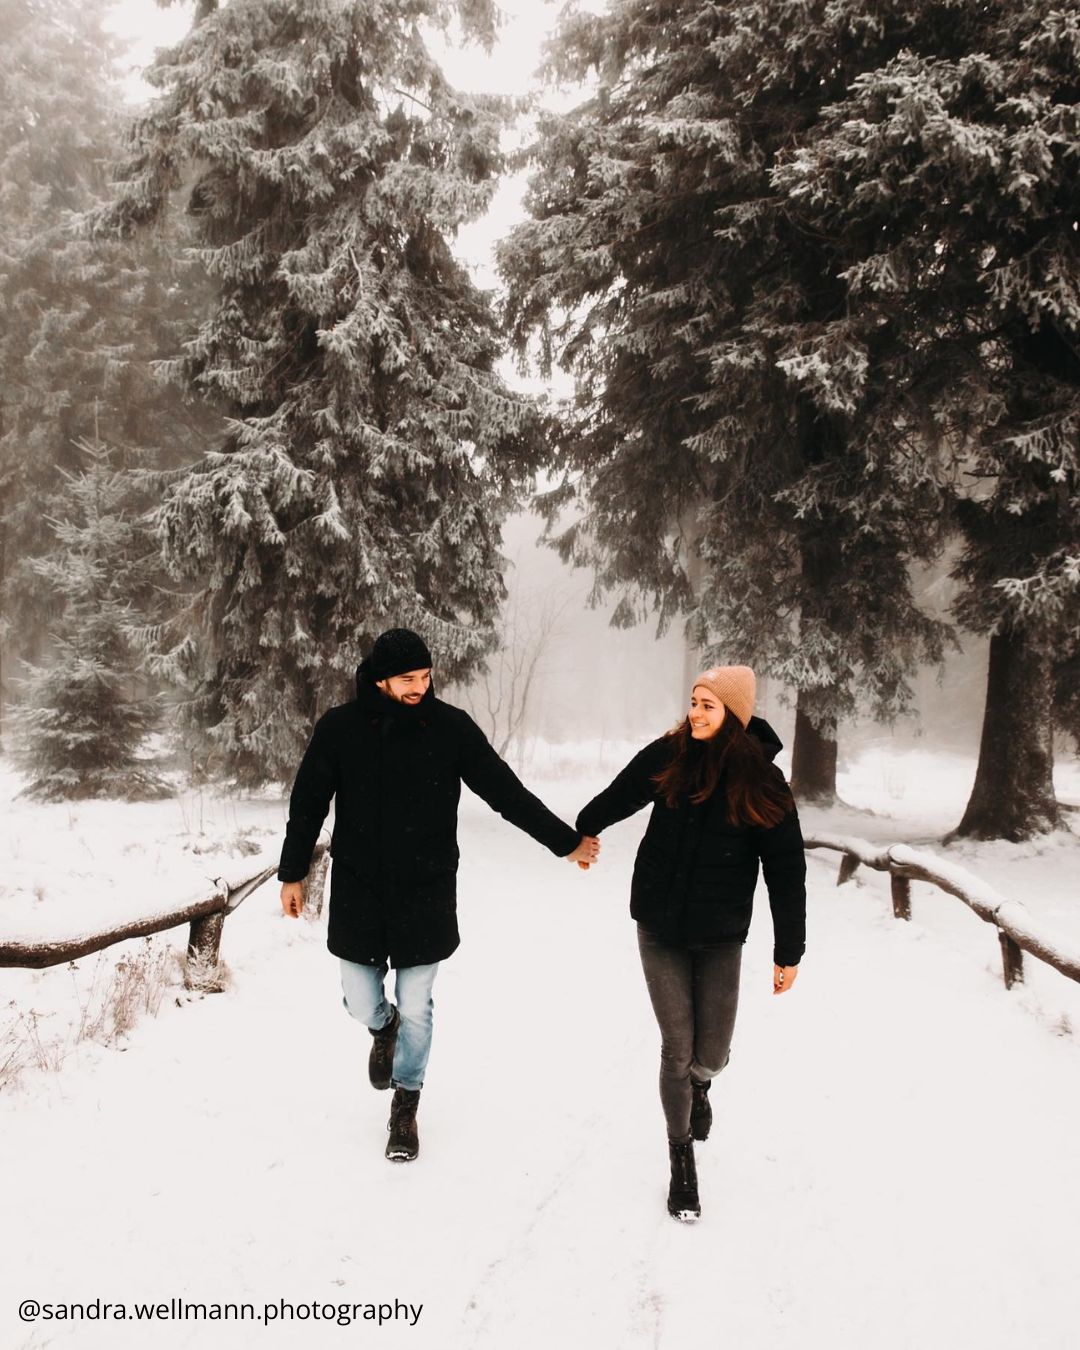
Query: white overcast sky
x=508, y=69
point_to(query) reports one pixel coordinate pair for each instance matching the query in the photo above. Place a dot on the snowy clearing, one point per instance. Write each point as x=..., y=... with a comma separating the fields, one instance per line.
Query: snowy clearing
x=895, y=1160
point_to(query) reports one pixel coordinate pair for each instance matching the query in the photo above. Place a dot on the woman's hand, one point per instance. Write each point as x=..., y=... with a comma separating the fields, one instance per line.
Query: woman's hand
x=783, y=977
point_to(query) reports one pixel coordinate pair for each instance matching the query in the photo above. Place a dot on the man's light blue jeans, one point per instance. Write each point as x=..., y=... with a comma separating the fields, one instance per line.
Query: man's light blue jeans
x=365, y=999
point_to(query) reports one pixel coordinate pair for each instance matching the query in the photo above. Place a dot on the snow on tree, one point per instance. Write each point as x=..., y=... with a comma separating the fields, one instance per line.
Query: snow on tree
x=80, y=321
x=371, y=450
x=710, y=445
x=949, y=172
x=83, y=719
x=53, y=350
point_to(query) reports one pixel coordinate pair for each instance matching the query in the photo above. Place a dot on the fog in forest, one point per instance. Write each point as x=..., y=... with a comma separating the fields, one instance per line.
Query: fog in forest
x=561, y=673
x=595, y=682
x=591, y=681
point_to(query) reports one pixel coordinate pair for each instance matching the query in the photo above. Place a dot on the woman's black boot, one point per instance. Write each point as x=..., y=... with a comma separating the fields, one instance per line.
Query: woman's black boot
x=700, y=1110
x=682, y=1200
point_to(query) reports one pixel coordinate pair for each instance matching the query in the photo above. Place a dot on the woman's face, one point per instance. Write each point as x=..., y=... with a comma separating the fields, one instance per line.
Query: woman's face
x=706, y=713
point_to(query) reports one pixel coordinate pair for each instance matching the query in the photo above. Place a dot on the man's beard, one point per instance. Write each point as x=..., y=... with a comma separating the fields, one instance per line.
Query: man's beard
x=410, y=700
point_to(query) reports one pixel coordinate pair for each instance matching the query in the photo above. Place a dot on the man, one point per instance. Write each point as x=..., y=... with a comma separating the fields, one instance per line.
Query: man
x=395, y=758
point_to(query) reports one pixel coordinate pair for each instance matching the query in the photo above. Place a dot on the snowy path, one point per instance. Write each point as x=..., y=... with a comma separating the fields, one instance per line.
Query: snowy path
x=895, y=1162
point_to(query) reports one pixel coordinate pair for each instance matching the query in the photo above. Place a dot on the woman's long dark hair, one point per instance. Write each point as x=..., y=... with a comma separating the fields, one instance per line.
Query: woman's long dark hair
x=731, y=759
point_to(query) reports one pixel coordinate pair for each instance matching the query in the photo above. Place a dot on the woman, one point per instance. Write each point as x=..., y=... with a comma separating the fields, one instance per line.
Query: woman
x=719, y=805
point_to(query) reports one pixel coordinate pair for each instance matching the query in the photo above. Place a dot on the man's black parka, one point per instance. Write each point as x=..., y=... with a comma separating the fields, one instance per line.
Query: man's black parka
x=695, y=873
x=396, y=770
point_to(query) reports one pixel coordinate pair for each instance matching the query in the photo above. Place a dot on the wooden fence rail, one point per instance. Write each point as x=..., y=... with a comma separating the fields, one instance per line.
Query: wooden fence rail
x=206, y=917
x=1018, y=930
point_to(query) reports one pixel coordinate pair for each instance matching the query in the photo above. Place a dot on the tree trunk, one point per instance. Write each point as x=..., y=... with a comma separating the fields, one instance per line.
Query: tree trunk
x=813, y=756
x=1013, y=797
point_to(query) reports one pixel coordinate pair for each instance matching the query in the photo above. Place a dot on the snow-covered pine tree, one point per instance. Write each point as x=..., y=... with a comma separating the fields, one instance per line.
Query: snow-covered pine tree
x=371, y=450
x=949, y=173
x=718, y=378
x=84, y=717
x=54, y=133
x=79, y=320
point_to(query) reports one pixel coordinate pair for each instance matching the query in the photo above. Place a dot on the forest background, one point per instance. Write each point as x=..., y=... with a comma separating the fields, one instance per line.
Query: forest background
x=782, y=344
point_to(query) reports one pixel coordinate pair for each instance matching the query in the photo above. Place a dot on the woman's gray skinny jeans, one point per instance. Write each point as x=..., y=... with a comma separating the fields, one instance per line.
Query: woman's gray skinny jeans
x=695, y=995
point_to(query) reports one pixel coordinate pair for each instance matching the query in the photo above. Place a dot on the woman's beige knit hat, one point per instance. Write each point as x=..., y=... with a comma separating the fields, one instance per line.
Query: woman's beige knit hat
x=734, y=686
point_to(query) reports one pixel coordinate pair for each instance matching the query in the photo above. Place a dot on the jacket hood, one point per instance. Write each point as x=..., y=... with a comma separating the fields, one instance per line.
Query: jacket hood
x=769, y=740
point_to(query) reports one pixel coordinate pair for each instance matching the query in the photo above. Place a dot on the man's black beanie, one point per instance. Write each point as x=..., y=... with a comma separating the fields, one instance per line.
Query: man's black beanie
x=396, y=651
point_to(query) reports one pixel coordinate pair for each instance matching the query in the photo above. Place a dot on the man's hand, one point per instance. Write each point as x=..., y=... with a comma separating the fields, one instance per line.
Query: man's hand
x=586, y=853
x=292, y=898
x=783, y=977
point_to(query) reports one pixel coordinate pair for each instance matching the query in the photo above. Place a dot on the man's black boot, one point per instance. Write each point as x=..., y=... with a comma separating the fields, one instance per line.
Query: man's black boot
x=380, y=1063
x=404, y=1142
x=682, y=1200
x=700, y=1110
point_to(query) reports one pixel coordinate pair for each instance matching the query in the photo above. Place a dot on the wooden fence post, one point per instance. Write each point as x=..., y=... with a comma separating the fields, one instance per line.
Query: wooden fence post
x=901, y=896
x=1012, y=960
x=315, y=885
x=204, y=945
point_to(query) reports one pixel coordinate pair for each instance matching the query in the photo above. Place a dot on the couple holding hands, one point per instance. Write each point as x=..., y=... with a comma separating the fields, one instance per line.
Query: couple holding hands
x=395, y=758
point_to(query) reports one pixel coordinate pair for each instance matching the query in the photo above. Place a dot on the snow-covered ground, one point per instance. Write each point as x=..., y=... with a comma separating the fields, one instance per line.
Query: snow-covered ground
x=895, y=1161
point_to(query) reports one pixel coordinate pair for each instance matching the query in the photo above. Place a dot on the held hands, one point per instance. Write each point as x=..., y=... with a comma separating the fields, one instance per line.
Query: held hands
x=292, y=898
x=586, y=853
x=292, y=892
x=783, y=977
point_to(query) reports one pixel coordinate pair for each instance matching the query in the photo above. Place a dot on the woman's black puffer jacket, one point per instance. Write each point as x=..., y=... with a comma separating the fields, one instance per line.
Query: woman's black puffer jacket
x=696, y=872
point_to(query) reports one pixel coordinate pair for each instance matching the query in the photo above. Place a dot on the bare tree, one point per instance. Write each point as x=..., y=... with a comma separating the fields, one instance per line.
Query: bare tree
x=501, y=697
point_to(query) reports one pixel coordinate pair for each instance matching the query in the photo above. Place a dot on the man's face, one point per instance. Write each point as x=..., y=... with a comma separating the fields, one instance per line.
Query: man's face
x=408, y=688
